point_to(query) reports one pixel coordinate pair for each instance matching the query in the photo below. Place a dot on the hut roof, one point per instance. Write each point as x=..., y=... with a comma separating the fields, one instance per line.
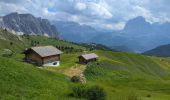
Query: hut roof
x=45, y=51
x=89, y=56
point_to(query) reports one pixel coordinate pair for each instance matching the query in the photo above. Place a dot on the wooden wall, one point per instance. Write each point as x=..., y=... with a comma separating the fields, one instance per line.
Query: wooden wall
x=33, y=57
x=51, y=58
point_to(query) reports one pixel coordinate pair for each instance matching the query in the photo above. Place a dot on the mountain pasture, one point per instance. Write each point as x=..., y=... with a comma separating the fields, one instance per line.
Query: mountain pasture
x=123, y=76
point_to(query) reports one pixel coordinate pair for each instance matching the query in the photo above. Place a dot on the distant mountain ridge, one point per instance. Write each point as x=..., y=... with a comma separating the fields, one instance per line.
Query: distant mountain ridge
x=161, y=51
x=138, y=25
x=138, y=35
x=28, y=24
x=75, y=32
x=147, y=35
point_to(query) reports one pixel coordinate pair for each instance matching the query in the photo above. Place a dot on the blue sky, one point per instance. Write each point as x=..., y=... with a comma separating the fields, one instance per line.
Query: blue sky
x=106, y=14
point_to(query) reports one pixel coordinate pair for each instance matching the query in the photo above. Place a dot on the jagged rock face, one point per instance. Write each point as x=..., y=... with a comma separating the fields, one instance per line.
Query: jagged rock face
x=28, y=24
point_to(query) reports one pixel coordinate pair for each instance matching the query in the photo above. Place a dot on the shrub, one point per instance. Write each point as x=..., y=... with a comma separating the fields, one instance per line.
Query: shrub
x=90, y=93
x=79, y=91
x=96, y=93
x=11, y=43
x=75, y=79
x=148, y=96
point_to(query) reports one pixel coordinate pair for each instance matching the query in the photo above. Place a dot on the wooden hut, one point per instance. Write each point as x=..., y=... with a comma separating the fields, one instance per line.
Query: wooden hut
x=85, y=59
x=43, y=56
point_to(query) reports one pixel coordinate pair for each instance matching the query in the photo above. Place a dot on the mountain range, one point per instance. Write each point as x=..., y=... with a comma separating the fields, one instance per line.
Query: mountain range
x=139, y=27
x=75, y=32
x=138, y=35
x=147, y=35
x=28, y=24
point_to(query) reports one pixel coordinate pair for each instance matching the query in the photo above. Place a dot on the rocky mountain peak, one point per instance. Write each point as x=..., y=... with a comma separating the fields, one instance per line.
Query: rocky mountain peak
x=137, y=25
x=28, y=24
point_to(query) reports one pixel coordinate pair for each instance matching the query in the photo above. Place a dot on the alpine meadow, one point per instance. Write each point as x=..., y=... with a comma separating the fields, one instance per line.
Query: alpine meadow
x=84, y=50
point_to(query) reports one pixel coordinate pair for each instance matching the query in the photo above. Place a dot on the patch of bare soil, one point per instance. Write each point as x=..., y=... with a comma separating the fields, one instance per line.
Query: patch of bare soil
x=76, y=70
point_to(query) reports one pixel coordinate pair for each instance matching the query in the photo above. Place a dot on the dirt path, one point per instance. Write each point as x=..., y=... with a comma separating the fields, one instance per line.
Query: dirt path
x=76, y=70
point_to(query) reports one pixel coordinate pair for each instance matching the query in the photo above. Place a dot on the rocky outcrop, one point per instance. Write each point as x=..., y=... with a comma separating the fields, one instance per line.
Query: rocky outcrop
x=28, y=24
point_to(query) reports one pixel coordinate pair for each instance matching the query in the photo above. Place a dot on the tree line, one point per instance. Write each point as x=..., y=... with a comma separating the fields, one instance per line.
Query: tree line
x=68, y=49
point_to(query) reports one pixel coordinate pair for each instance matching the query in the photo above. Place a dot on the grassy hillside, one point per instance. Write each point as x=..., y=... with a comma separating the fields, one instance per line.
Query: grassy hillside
x=123, y=76
x=17, y=44
x=135, y=63
x=23, y=81
x=120, y=74
x=11, y=41
x=49, y=41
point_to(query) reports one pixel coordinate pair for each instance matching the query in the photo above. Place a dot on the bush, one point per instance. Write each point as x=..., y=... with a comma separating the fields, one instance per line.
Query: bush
x=75, y=79
x=11, y=43
x=148, y=96
x=79, y=91
x=90, y=93
x=96, y=93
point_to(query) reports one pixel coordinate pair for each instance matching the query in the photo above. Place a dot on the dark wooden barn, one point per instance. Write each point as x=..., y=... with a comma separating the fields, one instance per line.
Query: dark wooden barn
x=43, y=56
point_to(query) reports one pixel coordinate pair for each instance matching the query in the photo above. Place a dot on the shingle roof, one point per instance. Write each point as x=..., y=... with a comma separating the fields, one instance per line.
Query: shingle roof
x=89, y=56
x=45, y=51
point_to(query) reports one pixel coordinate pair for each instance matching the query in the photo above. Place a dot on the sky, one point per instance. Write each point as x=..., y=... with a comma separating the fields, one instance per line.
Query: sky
x=103, y=14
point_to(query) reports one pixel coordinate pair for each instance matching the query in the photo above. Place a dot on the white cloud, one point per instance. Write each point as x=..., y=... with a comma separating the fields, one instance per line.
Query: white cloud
x=119, y=26
x=74, y=18
x=99, y=10
x=80, y=6
x=109, y=26
x=6, y=8
x=109, y=14
x=140, y=11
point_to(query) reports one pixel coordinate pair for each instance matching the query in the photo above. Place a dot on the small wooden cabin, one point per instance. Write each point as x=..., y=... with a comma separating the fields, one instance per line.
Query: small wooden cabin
x=43, y=56
x=85, y=59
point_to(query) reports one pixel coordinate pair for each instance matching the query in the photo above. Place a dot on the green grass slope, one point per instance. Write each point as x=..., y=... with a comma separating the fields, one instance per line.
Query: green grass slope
x=122, y=75
x=23, y=81
x=11, y=41
x=49, y=41
x=125, y=75
x=135, y=63
x=19, y=43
